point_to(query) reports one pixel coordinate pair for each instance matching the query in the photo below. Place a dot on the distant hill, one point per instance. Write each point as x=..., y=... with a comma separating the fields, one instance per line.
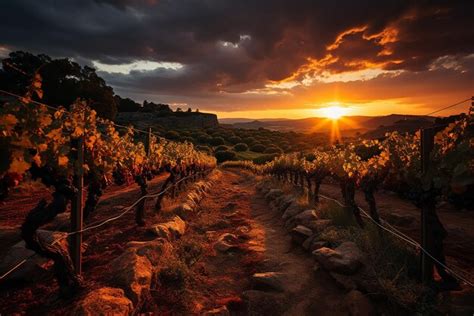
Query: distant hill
x=372, y=126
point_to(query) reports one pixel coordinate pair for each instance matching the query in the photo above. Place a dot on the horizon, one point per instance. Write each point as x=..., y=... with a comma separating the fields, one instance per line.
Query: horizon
x=373, y=59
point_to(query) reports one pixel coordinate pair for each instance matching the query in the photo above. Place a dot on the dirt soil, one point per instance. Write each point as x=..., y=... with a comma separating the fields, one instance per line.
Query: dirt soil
x=212, y=278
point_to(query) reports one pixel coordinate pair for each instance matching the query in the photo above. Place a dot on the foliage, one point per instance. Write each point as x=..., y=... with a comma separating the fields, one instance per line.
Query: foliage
x=241, y=147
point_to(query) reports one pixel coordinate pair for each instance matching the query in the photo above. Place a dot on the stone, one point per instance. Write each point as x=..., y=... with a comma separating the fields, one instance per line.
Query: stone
x=132, y=273
x=292, y=210
x=104, y=301
x=183, y=210
x=306, y=216
x=300, y=233
x=226, y=242
x=345, y=259
x=358, y=304
x=308, y=242
x=273, y=194
x=153, y=250
x=319, y=225
x=169, y=230
x=317, y=244
x=221, y=311
x=268, y=281
x=286, y=202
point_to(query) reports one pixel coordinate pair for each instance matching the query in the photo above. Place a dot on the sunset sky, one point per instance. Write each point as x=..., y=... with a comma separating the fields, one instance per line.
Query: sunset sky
x=261, y=59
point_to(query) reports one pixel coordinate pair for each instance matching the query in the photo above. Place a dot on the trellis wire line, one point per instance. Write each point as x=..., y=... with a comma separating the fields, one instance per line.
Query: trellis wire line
x=406, y=239
x=69, y=112
x=450, y=106
x=127, y=209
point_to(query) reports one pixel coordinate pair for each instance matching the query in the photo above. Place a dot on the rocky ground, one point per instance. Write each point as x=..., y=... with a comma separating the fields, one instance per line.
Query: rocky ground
x=226, y=246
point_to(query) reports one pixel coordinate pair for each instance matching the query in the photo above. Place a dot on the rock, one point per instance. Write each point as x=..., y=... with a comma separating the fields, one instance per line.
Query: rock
x=286, y=202
x=273, y=194
x=358, y=304
x=306, y=216
x=307, y=243
x=265, y=303
x=268, y=281
x=319, y=225
x=400, y=219
x=221, y=311
x=60, y=222
x=153, y=250
x=132, y=273
x=226, y=242
x=183, y=210
x=169, y=230
x=104, y=301
x=345, y=259
x=292, y=210
x=300, y=233
x=317, y=244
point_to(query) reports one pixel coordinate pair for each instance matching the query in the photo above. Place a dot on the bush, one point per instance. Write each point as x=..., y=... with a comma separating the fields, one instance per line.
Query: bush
x=187, y=139
x=221, y=148
x=264, y=159
x=273, y=150
x=258, y=148
x=203, y=148
x=249, y=140
x=235, y=139
x=203, y=139
x=173, y=135
x=241, y=147
x=216, y=141
x=222, y=156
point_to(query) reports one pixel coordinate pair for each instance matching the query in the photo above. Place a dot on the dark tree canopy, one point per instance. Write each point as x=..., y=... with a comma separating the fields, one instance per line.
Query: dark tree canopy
x=63, y=81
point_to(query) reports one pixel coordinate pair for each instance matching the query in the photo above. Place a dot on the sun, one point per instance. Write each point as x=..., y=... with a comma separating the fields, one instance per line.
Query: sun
x=334, y=112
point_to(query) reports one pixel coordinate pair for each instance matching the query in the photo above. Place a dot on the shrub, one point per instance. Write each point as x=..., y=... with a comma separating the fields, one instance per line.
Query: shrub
x=222, y=156
x=258, y=148
x=203, y=139
x=221, y=148
x=203, y=148
x=235, y=139
x=216, y=141
x=172, y=135
x=249, y=140
x=187, y=139
x=241, y=147
x=264, y=159
x=273, y=150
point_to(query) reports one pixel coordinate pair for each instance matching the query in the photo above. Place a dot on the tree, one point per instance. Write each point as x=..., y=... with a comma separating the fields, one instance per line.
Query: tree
x=63, y=81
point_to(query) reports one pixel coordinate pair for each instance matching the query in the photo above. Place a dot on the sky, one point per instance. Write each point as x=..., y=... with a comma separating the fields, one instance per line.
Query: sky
x=261, y=59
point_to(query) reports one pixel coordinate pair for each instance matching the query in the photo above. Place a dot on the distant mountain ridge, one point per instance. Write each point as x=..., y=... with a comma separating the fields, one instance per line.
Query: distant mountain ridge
x=348, y=125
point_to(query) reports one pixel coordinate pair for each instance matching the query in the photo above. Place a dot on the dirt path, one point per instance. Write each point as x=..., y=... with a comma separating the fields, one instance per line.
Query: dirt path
x=235, y=207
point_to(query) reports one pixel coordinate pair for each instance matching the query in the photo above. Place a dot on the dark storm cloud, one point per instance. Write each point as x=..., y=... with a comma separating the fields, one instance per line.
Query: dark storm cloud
x=281, y=36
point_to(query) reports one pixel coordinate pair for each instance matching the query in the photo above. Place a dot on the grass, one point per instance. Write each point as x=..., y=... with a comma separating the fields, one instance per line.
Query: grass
x=394, y=264
x=247, y=155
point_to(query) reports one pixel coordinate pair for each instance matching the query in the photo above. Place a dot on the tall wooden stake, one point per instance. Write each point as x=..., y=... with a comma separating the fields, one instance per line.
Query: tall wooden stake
x=427, y=144
x=77, y=208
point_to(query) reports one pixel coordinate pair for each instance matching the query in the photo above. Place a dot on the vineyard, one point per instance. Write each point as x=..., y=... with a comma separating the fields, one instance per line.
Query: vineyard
x=397, y=164
x=62, y=148
x=73, y=152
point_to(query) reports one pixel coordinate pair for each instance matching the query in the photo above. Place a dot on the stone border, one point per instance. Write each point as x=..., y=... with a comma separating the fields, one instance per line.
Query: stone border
x=345, y=263
x=134, y=269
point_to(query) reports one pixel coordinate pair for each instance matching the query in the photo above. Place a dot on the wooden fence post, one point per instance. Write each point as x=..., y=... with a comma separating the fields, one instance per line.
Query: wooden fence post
x=75, y=242
x=427, y=144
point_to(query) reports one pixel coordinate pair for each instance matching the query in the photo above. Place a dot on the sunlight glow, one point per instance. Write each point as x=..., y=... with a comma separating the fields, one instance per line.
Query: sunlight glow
x=334, y=112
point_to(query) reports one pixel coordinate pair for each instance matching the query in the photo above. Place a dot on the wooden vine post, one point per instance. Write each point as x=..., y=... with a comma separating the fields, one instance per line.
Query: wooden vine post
x=75, y=243
x=427, y=144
